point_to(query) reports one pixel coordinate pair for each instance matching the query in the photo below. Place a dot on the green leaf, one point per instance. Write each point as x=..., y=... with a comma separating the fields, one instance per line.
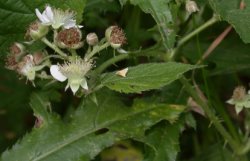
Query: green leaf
x=22, y=13
x=164, y=142
x=91, y=129
x=230, y=11
x=146, y=77
x=161, y=12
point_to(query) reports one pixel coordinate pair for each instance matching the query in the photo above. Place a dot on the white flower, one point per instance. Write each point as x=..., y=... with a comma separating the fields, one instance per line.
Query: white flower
x=75, y=71
x=28, y=68
x=57, y=18
x=240, y=99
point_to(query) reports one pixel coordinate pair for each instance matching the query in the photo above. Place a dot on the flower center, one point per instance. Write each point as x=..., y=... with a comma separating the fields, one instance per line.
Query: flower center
x=117, y=36
x=239, y=93
x=69, y=37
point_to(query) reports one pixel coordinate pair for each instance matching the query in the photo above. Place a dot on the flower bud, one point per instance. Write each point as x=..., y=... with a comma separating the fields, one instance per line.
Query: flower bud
x=36, y=31
x=191, y=6
x=115, y=36
x=69, y=38
x=92, y=39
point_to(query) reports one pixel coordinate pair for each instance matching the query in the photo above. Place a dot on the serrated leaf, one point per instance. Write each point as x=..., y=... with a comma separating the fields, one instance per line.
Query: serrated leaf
x=230, y=11
x=160, y=11
x=146, y=77
x=82, y=138
x=17, y=15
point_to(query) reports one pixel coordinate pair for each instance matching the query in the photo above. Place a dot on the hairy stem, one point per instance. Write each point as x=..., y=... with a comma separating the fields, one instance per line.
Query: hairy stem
x=210, y=114
x=210, y=22
x=111, y=61
x=54, y=47
x=97, y=49
x=52, y=56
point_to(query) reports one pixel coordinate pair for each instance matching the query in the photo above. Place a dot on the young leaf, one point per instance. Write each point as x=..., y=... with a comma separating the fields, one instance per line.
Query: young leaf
x=92, y=128
x=146, y=77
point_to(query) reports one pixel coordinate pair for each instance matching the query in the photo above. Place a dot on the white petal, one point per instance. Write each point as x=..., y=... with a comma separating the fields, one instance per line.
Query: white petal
x=55, y=72
x=69, y=24
x=39, y=15
x=84, y=84
x=79, y=26
x=49, y=13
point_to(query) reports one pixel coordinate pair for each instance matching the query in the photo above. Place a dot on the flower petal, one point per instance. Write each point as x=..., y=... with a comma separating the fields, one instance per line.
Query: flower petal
x=79, y=26
x=49, y=13
x=55, y=72
x=39, y=15
x=84, y=84
x=69, y=24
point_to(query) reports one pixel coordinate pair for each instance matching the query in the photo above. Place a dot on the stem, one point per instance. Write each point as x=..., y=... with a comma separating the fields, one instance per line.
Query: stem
x=52, y=56
x=111, y=61
x=215, y=43
x=73, y=52
x=189, y=88
x=210, y=22
x=126, y=55
x=54, y=47
x=96, y=49
x=246, y=148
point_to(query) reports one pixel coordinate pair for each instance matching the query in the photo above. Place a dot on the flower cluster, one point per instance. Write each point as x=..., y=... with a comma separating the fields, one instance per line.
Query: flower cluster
x=64, y=63
x=24, y=63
